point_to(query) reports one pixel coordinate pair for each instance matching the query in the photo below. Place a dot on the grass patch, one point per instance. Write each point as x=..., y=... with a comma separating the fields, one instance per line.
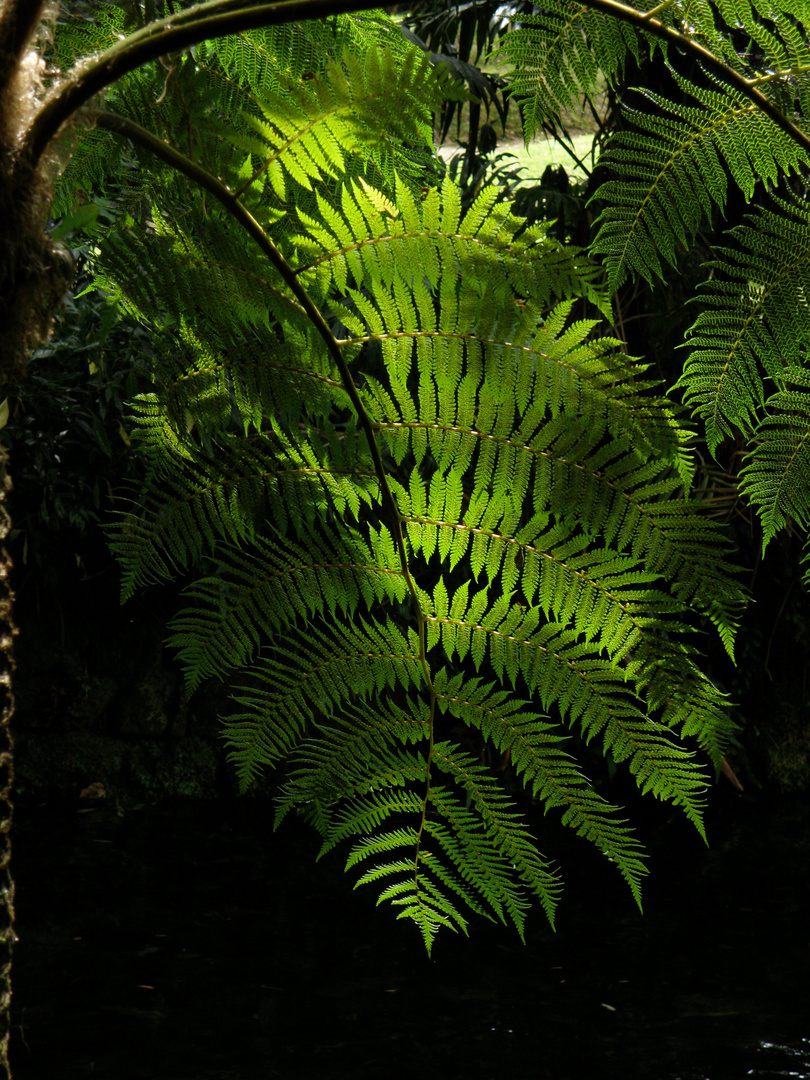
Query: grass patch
x=545, y=151
x=540, y=153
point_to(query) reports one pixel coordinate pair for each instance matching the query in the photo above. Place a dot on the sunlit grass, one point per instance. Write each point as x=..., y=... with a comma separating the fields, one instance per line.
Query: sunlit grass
x=544, y=151
x=540, y=153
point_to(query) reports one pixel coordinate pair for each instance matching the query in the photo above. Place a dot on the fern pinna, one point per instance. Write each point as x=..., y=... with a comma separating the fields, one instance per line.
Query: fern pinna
x=420, y=490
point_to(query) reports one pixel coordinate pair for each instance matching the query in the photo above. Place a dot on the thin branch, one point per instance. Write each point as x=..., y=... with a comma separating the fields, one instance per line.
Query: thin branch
x=782, y=73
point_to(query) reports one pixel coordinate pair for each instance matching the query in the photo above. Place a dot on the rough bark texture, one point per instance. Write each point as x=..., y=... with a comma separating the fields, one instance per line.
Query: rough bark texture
x=32, y=269
x=7, y=631
x=25, y=315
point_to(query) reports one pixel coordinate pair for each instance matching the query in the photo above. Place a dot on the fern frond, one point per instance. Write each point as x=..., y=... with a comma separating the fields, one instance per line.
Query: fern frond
x=423, y=492
x=259, y=592
x=678, y=692
x=672, y=169
x=173, y=276
x=475, y=365
x=567, y=673
x=472, y=856
x=270, y=57
x=779, y=30
x=463, y=846
x=422, y=900
x=549, y=773
x=549, y=362
x=423, y=884
x=604, y=596
x=225, y=495
x=315, y=107
x=378, y=247
x=776, y=472
x=310, y=675
x=347, y=758
x=755, y=319
x=559, y=53
x=552, y=465
x=371, y=109
x=505, y=831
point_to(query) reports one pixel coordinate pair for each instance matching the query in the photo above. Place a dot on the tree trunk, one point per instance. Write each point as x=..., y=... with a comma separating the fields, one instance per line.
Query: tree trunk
x=25, y=315
x=7, y=632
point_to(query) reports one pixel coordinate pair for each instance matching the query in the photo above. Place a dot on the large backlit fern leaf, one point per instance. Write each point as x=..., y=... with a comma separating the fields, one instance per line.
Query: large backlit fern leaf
x=597, y=590
x=419, y=489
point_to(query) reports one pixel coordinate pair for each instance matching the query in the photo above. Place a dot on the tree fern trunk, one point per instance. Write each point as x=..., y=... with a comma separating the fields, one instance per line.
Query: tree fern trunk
x=7, y=632
x=25, y=315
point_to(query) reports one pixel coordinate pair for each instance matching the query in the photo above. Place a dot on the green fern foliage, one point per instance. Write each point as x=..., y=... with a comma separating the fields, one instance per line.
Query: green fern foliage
x=559, y=53
x=671, y=160
x=270, y=57
x=271, y=588
x=777, y=30
x=731, y=124
x=434, y=514
x=755, y=321
x=672, y=168
x=775, y=477
x=286, y=87
x=356, y=108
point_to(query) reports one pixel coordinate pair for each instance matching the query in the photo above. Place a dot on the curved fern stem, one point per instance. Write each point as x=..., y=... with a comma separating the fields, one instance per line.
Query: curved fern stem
x=782, y=73
x=227, y=199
